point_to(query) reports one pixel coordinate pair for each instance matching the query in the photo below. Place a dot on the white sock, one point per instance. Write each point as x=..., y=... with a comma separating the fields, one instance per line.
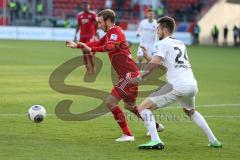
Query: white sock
x=150, y=124
x=201, y=122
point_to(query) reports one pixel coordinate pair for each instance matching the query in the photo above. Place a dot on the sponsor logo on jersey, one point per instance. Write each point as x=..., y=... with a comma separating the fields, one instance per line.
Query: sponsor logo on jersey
x=182, y=66
x=84, y=21
x=113, y=37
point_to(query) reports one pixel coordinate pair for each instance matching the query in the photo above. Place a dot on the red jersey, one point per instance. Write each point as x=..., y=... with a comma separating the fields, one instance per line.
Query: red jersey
x=87, y=24
x=114, y=42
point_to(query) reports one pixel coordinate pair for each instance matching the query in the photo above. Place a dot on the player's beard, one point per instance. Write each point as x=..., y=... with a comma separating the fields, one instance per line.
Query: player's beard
x=161, y=36
x=105, y=28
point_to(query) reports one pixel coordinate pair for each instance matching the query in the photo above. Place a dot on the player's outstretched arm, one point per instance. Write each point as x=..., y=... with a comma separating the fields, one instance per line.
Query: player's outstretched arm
x=154, y=63
x=75, y=36
x=81, y=45
x=71, y=44
x=145, y=54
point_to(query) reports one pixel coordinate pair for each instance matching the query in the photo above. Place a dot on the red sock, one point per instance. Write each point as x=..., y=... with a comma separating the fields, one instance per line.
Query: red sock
x=121, y=120
x=135, y=111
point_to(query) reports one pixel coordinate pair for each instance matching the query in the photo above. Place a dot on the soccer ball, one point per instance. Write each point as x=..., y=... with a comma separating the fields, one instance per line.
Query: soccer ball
x=37, y=113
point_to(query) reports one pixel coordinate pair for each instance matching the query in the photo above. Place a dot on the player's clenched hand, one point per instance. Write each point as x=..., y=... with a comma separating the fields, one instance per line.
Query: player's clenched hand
x=143, y=48
x=145, y=54
x=71, y=44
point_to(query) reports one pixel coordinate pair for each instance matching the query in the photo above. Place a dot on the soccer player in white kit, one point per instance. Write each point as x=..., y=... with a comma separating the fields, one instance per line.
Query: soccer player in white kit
x=147, y=32
x=171, y=55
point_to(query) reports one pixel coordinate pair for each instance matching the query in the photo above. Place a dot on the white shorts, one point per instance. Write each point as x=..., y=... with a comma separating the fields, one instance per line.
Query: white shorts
x=149, y=50
x=166, y=95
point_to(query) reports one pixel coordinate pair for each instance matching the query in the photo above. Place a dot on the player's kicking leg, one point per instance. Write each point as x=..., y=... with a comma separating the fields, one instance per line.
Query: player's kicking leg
x=119, y=116
x=131, y=106
x=164, y=96
x=201, y=122
x=145, y=110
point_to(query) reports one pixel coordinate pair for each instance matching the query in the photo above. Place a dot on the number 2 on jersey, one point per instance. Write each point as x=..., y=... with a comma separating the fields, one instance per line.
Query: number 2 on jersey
x=179, y=55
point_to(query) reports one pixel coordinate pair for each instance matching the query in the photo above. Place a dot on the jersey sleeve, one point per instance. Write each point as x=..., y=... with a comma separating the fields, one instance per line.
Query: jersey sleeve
x=159, y=50
x=114, y=35
x=98, y=46
x=139, y=28
x=109, y=40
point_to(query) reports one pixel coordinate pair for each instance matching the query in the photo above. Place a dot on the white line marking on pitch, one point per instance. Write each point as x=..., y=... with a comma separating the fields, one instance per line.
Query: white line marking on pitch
x=209, y=106
x=174, y=107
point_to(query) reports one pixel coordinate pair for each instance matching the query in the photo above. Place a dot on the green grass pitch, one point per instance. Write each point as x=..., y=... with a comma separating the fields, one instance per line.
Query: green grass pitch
x=25, y=67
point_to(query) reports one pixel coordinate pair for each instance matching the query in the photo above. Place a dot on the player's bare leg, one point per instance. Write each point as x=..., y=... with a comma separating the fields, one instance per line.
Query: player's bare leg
x=140, y=59
x=91, y=63
x=111, y=103
x=133, y=108
x=145, y=110
x=88, y=60
x=85, y=61
x=201, y=122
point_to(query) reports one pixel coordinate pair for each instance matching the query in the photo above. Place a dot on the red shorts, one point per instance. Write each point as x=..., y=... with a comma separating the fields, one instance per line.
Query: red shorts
x=128, y=93
x=86, y=39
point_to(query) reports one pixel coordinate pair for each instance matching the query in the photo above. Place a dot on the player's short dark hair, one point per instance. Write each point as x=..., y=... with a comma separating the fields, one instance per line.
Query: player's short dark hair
x=167, y=22
x=107, y=14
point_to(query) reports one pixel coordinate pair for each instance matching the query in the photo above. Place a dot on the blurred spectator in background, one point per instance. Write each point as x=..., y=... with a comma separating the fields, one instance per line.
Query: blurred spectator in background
x=108, y=4
x=196, y=33
x=18, y=8
x=164, y=3
x=119, y=4
x=160, y=11
x=189, y=13
x=24, y=10
x=79, y=8
x=119, y=9
x=178, y=15
x=225, y=35
x=66, y=23
x=239, y=36
x=12, y=9
x=39, y=7
x=215, y=33
x=235, y=35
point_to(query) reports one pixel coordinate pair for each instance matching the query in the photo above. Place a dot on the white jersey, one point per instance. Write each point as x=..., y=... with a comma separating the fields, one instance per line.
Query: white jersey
x=147, y=32
x=175, y=57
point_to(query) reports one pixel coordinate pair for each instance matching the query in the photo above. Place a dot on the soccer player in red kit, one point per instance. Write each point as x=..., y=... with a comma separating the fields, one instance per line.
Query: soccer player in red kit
x=87, y=24
x=114, y=42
